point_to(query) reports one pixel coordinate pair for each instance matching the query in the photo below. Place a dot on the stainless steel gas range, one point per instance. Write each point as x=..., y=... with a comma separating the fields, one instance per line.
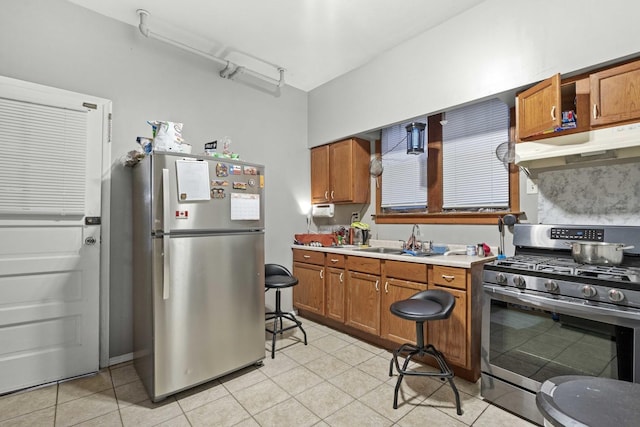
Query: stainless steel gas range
x=545, y=315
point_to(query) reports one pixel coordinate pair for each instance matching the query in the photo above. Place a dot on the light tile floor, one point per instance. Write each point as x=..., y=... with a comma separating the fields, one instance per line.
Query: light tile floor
x=336, y=380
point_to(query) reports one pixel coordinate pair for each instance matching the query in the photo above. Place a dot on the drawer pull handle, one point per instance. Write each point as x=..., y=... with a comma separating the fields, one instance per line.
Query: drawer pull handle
x=386, y=287
x=322, y=273
x=377, y=287
x=306, y=256
x=595, y=111
x=341, y=277
x=448, y=278
x=553, y=112
x=334, y=260
x=331, y=194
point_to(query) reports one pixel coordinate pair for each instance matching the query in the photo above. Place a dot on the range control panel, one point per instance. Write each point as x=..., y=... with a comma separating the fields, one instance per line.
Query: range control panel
x=588, y=234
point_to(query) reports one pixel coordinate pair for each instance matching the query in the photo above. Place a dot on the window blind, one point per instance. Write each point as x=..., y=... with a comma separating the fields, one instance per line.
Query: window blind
x=404, y=177
x=473, y=177
x=42, y=161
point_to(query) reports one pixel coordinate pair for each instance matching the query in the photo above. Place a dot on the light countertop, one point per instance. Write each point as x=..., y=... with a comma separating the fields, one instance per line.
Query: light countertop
x=462, y=261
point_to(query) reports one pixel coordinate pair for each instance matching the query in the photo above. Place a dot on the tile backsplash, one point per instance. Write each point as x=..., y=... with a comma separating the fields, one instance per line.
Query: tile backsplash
x=607, y=195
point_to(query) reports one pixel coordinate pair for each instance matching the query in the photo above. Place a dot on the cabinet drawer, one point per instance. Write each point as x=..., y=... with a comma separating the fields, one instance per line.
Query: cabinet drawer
x=335, y=260
x=406, y=270
x=309, y=257
x=363, y=264
x=450, y=276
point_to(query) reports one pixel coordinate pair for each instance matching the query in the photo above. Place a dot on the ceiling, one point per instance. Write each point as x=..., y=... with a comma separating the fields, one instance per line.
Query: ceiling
x=313, y=40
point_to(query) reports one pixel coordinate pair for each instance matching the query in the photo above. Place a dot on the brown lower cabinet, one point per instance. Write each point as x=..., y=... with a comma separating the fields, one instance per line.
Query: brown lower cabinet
x=363, y=294
x=450, y=335
x=402, y=280
x=308, y=294
x=335, y=287
x=353, y=294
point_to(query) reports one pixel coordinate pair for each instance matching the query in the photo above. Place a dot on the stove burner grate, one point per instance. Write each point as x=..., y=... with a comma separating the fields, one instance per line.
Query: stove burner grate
x=567, y=266
x=609, y=273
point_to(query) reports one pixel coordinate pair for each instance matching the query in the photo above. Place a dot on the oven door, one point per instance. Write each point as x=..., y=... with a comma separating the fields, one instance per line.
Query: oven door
x=528, y=338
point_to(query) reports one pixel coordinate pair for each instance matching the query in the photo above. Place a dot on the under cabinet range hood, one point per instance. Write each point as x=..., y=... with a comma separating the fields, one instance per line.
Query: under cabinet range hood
x=609, y=145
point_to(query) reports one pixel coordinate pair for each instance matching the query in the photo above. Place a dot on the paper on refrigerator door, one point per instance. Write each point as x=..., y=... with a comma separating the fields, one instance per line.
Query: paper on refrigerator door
x=193, y=180
x=245, y=206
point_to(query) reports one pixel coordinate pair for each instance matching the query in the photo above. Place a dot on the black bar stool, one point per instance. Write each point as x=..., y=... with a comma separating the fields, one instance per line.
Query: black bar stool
x=278, y=277
x=422, y=307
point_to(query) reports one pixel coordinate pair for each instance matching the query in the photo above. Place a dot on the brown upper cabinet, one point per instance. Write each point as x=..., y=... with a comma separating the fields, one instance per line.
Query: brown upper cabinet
x=605, y=98
x=340, y=172
x=615, y=94
x=537, y=107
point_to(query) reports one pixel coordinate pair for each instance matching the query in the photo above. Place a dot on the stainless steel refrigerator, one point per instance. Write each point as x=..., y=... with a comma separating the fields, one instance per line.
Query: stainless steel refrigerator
x=198, y=263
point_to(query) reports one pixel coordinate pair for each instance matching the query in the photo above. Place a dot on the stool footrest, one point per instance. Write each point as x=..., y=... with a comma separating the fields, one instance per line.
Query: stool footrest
x=412, y=350
x=275, y=330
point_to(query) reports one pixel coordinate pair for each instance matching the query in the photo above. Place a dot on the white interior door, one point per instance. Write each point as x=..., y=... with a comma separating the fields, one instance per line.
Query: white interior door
x=51, y=163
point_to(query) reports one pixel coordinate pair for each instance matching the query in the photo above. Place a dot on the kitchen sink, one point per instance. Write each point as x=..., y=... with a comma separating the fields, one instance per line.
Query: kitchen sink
x=421, y=254
x=381, y=250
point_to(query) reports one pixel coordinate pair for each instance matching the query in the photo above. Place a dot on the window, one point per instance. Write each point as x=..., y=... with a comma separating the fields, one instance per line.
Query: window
x=460, y=176
x=405, y=175
x=473, y=177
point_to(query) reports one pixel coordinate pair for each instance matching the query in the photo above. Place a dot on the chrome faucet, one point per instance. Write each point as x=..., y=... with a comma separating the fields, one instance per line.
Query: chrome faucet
x=412, y=243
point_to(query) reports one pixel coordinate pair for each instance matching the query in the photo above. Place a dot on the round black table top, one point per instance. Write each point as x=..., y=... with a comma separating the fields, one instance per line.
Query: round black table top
x=573, y=400
x=280, y=281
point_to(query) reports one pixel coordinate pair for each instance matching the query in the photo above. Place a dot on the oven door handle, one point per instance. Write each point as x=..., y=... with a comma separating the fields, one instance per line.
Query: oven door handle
x=577, y=308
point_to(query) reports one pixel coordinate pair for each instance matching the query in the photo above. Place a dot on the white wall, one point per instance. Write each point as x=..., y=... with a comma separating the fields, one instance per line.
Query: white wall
x=60, y=44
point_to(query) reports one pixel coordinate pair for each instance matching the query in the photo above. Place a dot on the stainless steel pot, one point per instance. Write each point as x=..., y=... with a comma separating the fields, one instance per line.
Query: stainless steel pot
x=598, y=253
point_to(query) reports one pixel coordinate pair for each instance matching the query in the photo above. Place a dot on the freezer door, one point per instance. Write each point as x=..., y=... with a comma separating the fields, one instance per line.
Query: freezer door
x=208, y=317
x=233, y=197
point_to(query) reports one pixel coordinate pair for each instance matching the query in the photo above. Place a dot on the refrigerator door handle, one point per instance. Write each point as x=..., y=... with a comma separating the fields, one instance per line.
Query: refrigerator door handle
x=166, y=213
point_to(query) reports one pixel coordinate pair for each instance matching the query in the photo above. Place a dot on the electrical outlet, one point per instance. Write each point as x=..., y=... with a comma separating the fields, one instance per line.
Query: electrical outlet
x=355, y=216
x=532, y=187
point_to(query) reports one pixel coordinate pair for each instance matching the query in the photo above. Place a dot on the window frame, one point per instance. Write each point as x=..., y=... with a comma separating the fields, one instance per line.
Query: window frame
x=434, y=213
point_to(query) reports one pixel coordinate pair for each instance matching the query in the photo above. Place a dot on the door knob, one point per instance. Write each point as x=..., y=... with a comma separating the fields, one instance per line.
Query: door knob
x=90, y=240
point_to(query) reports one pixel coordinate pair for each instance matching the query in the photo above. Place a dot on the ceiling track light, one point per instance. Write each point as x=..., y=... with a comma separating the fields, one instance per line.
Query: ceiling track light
x=230, y=70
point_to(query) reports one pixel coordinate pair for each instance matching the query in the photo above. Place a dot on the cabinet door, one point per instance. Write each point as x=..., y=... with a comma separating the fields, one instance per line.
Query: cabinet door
x=308, y=294
x=615, y=94
x=341, y=171
x=393, y=327
x=450, y=335
x=335, y=291
x=363, y=302
x=320, y=174
x=538, y=108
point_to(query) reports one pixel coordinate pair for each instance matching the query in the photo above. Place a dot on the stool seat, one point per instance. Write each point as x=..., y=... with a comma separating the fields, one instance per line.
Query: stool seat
x=279, y=281
x=426, y=305
x=422, y=307
x=278, y=277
